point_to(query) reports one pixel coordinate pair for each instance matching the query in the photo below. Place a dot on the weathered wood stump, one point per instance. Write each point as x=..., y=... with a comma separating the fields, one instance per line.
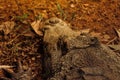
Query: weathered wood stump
x=69, y=55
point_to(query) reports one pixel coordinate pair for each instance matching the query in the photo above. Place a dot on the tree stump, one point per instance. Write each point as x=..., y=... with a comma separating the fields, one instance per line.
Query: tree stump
x=69, y=55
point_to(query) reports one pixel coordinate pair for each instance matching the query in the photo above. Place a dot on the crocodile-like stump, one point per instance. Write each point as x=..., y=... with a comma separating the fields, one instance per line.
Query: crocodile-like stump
x=69, y=55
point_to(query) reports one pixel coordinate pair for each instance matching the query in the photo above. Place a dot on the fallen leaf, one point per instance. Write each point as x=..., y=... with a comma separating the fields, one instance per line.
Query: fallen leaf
x=115, y=47
x=117, y=31
x=36, y=27
x=85, y=31
x=95, y=34
x=105, y=37
x=7, y=27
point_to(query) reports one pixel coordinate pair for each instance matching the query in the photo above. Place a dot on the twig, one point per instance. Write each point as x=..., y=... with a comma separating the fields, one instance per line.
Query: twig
x=117, y=32
x=18, y=36
x=5, y=66
x=112, y=40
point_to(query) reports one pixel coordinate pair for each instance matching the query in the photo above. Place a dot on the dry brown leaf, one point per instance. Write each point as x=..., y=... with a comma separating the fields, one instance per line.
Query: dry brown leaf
x=36, y=27
x=85, y=31
x=95, y=34
x=105, y=37
x=7, y=27
x=117, y=31
x=115, y=47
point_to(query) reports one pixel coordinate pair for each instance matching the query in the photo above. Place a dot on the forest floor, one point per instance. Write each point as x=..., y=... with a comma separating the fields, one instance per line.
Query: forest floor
x=100, y=17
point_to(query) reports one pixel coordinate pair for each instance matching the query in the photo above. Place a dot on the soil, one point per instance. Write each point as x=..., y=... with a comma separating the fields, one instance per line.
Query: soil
x=101, y=17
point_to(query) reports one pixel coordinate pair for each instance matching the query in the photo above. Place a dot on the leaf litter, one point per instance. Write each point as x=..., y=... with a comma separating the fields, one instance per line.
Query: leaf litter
x=98, y=17
x=7, y=27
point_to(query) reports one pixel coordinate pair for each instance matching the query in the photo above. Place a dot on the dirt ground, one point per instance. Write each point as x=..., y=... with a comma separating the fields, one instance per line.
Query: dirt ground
x=101, y=17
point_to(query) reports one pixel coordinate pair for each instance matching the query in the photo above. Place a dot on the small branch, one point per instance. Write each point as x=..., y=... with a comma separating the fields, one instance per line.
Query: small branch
x=112, y=40
x=5, y=66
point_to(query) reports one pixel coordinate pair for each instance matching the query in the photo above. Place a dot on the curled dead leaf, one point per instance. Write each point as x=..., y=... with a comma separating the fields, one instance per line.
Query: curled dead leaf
x=7, y=27
x=36, y=25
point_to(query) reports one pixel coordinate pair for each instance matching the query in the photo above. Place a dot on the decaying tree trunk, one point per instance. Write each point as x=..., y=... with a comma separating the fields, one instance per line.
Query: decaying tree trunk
x=69, y=55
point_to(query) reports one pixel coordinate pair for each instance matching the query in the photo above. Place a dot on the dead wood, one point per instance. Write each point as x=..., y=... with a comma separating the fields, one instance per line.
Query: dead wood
x=21, y=74
x=69, y=55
